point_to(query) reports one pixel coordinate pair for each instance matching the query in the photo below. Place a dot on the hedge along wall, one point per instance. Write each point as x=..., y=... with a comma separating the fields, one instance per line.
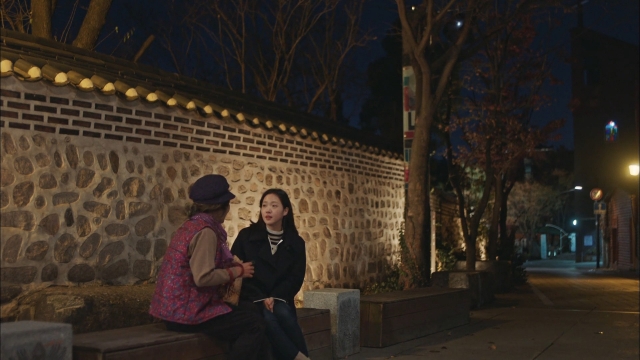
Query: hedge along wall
x=93, y=187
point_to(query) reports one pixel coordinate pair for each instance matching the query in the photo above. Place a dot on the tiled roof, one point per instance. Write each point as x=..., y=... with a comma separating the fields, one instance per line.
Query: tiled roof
x=31, y=58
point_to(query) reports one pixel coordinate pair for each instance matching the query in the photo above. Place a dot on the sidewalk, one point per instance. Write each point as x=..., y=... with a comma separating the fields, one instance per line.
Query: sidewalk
x=578, y=321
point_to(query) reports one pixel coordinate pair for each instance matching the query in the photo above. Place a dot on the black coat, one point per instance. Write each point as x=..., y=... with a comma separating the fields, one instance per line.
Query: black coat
x=279, y=275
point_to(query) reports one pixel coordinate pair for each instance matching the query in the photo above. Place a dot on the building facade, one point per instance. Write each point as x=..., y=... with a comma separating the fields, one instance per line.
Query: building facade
x=605, y=126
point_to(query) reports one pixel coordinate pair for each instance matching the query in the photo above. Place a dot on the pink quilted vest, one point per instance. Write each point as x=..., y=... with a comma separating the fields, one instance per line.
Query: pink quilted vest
x=177, y=298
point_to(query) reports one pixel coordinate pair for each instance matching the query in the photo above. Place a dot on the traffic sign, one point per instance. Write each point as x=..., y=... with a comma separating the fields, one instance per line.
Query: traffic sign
x=596, y=194
x=599, y=208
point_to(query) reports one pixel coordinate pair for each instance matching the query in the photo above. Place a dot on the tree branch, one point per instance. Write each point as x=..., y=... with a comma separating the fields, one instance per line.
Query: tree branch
x=92, y=24
x=144, y=47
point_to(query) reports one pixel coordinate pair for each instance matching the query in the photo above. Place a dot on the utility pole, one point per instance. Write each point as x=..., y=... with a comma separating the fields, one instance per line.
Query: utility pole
x=597, y=241
x=599, y=208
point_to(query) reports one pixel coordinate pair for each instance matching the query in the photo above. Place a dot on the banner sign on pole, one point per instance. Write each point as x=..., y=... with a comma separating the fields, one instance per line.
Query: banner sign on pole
x=409, y=114
x=408, y=98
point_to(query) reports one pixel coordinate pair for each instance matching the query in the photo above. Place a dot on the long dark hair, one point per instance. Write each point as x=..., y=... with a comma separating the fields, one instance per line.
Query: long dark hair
x=288, y=222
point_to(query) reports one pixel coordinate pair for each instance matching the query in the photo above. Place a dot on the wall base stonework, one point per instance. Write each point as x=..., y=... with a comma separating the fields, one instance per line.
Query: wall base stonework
x=86, y=308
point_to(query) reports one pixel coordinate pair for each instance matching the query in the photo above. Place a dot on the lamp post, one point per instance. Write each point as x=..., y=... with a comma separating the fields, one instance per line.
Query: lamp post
x=599, y=208
x=562, y=213
x=563, y=234
x=634, y=170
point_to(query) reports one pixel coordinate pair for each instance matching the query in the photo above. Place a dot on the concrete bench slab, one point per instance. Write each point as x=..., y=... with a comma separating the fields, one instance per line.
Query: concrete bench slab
x=155, y=342
x=390, y=318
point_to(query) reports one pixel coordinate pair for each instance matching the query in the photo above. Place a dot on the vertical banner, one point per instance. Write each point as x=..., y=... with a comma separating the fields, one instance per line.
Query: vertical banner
x=409, y=114
x=408, y=98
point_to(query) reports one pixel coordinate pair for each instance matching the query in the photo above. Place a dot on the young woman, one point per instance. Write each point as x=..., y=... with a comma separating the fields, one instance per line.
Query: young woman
x=197, y=270
x=278, y=253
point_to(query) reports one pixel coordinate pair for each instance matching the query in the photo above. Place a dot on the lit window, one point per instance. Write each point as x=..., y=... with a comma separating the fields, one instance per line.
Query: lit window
x=611, y=132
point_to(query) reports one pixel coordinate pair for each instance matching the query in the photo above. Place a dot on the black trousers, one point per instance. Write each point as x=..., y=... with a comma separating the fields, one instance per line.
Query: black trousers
x=283, y=331
x=245, y=330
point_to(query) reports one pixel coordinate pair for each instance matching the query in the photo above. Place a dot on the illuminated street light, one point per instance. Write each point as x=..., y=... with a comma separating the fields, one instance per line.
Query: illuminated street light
x=575, y=222
x=575, y=188
x=634, y=170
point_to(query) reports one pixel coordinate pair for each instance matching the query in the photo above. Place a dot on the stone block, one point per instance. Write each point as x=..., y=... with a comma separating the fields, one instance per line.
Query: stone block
x=36, y=340
x=344, y=307
x=481, y=284
x=502, y=273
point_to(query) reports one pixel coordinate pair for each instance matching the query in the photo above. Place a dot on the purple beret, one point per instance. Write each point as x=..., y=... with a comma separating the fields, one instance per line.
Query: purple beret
x=211, y=189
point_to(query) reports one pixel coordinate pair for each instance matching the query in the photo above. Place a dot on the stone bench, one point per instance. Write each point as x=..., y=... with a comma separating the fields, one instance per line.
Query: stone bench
x=155, y=342
x=390, y=318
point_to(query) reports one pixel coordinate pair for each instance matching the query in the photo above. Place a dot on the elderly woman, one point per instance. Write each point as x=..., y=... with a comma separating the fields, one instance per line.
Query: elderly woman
x=198, y=269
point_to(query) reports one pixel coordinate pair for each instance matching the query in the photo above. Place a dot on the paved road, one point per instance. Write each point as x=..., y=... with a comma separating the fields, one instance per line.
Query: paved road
x=567, y=311
x=567, y=285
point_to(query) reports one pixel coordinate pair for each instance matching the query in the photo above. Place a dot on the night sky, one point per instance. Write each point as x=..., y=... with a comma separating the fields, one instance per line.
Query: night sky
x=617, y=18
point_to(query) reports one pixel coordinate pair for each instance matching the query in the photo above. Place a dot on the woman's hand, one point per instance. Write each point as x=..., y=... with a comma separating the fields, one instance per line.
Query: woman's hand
x=268, y=303
x=247, y=268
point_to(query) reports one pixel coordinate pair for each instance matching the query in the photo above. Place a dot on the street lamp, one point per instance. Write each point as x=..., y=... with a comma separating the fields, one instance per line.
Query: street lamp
x=634, y=170
x=563, y=201
x=575, y=188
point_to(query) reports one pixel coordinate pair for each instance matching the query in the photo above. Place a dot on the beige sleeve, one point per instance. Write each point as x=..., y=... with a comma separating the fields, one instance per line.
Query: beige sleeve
x=202, y=250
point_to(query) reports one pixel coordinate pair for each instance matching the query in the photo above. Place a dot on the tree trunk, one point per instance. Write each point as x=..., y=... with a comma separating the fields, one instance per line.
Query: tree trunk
x=470, y=249
x=506, y=249
x=474, y=223
x=418, y=220
x=494, y=227
x=92, y=24
x=41, y=11
x=428, y=95
x=507, y=239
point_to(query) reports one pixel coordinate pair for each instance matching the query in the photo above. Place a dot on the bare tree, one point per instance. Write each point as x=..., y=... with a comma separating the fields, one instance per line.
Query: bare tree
x=465, y=27
x=36, y=18
x=16, y=15
x=506, y=77
x=291, y=52
x=420, y=28
x=333, y=40
x=529, y=205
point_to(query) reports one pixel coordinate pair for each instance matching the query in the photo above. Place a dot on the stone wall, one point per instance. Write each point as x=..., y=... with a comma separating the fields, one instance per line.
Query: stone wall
x=93, y=187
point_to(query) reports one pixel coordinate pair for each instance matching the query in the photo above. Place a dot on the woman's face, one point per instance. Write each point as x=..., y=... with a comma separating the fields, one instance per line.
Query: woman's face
x=272, y=212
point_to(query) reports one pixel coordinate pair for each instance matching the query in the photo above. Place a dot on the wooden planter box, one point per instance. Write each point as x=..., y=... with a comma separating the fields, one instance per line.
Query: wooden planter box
x=391, y=318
